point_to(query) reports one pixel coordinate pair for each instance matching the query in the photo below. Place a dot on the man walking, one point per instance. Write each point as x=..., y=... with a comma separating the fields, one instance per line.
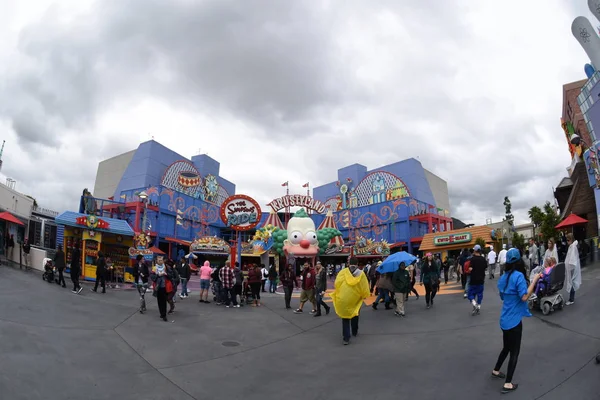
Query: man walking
x=60, y=263
x=309, y=281
x=401, y=282
x=226, y=276
x=185, y=272
x=502, y=259
x=351, y=289
x=492, y=262
x=477, y=267
x=75, y=268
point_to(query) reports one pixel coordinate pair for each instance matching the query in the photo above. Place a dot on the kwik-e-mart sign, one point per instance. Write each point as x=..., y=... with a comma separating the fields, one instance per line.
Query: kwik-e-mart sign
x=451, y=239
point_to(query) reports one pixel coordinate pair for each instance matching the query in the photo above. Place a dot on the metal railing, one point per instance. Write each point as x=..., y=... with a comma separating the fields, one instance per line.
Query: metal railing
x=45, y=211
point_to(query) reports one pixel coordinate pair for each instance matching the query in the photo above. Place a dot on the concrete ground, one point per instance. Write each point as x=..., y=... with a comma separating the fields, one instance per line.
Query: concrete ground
x=57, y=345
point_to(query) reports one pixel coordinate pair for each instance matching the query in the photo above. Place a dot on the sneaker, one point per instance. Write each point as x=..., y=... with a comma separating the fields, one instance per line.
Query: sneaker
x=181, y=296
x=74, y=291
x=237, y=306
x=346, y=343
x=396, y=313
x=568, y=303
x=312, y=312
x=298, y=311
x=79, y=290
x=227, y=306
x=464, y=296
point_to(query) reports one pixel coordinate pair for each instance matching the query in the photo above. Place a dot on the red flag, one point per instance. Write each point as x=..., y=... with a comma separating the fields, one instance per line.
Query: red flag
x=305, y=185
x=284, y=183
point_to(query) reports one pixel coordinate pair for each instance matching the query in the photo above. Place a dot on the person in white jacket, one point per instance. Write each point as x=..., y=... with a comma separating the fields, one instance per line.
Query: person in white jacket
x=502, y=259
x=573, y=269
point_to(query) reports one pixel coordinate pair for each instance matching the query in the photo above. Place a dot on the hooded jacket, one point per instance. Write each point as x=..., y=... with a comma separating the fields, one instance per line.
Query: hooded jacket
x=351, y=288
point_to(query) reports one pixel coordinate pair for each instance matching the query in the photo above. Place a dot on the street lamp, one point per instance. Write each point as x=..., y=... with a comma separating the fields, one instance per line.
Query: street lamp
x=144, y=197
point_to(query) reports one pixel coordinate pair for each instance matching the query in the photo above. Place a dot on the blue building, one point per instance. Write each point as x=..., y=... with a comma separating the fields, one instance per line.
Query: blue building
x=158, y=190
x=394, y=205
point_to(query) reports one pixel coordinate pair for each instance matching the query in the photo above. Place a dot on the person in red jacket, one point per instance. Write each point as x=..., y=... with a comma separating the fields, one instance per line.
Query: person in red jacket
x=309, y=280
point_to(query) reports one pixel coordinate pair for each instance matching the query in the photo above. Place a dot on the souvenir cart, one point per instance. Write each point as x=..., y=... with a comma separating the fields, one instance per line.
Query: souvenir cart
x=93, y=234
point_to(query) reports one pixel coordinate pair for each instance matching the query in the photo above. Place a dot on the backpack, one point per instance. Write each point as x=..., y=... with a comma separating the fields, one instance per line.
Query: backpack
x=176, y=277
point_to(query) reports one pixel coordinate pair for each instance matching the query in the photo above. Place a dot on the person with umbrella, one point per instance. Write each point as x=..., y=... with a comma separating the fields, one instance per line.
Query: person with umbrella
x=392, y=264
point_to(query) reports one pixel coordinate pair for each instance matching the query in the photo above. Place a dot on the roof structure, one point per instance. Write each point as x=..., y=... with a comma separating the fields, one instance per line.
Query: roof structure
x=329, y=222
x=274, y=220
x=115, y=226
x=484, y=232
x=6, y=216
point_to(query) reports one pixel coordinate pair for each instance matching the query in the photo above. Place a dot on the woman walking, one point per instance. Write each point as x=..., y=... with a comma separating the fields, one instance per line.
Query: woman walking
x=185, y=272
x=430, y=277
x=514, y=293
x=573, y=269
x=162, y=286
x=255, y=276
x=288, y=281
x=412, y=270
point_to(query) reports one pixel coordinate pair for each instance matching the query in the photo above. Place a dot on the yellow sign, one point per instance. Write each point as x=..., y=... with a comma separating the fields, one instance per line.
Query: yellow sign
x=92, y=235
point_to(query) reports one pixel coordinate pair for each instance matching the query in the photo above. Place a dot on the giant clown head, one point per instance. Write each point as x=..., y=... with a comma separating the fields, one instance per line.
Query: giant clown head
x=302, y=241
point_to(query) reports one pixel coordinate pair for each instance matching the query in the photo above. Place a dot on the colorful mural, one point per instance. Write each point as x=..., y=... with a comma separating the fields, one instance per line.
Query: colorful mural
x=183, y=177
x=377, y=187
x=369, y=247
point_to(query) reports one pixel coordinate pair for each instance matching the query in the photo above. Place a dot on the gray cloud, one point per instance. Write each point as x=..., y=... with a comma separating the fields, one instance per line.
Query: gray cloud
x=333, y=83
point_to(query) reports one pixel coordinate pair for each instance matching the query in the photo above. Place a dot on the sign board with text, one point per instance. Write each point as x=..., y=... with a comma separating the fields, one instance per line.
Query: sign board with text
x=454, y=238
x=240, y=212
x=297, y=200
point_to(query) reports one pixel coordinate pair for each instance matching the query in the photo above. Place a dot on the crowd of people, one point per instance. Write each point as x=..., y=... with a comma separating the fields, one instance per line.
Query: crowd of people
x=522, y=277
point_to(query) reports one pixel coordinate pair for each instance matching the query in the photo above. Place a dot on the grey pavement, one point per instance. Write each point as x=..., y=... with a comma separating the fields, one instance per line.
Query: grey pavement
x=57, y=345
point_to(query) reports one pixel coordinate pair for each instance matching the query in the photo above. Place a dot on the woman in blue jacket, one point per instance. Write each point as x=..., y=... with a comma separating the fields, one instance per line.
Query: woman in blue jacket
x=514, y=292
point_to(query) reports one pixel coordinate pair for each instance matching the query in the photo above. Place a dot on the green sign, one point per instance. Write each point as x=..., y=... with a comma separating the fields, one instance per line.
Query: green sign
x=455, y=238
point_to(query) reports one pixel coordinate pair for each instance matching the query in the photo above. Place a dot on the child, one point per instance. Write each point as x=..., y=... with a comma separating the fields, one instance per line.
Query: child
x=544, y=281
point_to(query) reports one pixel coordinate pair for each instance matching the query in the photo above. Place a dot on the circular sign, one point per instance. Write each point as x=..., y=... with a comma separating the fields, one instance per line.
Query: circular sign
x=240, y=212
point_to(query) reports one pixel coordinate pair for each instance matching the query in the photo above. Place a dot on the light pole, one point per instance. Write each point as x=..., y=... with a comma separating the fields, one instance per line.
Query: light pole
x=144, y=197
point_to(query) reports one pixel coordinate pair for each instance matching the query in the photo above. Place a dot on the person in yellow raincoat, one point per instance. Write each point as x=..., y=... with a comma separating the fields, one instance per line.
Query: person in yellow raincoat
x=351, y=289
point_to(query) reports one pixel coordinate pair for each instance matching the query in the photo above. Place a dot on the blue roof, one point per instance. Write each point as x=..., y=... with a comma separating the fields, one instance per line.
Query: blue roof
x=116, y=226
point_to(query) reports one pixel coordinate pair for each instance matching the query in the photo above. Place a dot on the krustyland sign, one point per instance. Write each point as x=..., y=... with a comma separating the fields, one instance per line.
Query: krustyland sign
x=451, y=239
x=297, y=200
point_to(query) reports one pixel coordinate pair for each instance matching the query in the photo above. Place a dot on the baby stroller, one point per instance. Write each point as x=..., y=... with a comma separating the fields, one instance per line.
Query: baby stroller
x=549, y=298
x=48, y=274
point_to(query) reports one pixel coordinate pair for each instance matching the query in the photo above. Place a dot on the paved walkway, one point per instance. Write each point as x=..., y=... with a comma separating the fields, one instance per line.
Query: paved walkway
x=56, y=345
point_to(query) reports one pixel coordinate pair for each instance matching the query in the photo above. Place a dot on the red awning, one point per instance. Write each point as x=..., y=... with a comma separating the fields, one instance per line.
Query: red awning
x=156, y=250
x=8, y=217
x=178, y=241
x=571, y=220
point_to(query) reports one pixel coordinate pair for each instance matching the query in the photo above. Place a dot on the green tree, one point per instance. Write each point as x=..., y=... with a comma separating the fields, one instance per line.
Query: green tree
x=508, y=211
x=536, y=215
x=551, y=219
x=518, y=241
x=481, y=241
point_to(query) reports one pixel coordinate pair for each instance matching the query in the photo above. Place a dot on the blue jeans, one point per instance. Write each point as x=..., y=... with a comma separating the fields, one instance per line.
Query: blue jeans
x=572, y=295
x=219, y=291
x=184, y=291
x=383, y=294
x=320, y=302
x=346, y=325
x=476, y=291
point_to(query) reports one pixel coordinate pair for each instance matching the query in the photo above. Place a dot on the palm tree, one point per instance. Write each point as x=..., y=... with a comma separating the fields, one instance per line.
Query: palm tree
x=536, y=215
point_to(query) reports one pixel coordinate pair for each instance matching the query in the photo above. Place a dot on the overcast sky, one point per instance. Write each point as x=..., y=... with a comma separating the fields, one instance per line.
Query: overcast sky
x=281, y=90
